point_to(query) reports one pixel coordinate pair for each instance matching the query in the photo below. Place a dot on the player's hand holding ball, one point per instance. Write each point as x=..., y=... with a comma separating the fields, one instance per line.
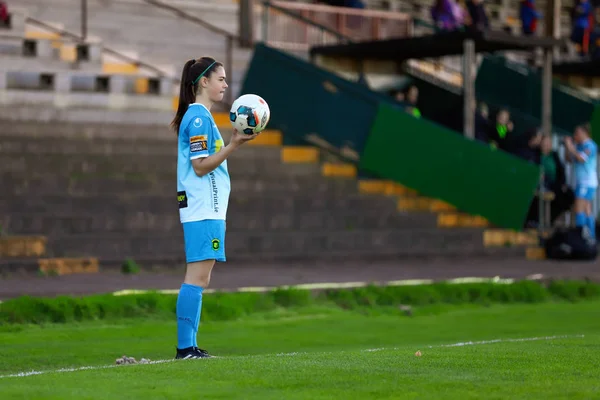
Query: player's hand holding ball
x=239, y=138
x=249, y=115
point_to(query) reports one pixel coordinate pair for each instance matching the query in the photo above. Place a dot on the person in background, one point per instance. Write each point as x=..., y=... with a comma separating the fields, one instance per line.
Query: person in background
x=407, y=100
x=595, y=35
x=411, y=98
x=482, y=123
x=527, y=145
x=443, y=14
x=582, y=151
x=529, y=17
x=478, y=17
x=554, y=180
x=354, y=4
x=460, y=13
x=4, y=16
x=500, y=131
x=580, y=22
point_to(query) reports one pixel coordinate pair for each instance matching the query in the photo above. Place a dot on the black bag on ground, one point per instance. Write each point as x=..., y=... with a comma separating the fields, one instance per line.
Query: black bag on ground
x=571, y=244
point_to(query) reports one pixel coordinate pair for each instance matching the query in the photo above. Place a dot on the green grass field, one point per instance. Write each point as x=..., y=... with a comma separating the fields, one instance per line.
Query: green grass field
x=549, y=350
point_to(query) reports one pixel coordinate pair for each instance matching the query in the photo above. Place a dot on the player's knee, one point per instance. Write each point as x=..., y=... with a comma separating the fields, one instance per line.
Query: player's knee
x=201, y=280
x=199, y=273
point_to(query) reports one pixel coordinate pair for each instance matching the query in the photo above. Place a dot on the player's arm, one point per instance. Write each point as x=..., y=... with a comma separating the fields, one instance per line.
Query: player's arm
x=574, y=155
x=205, y=165
x=201, y=139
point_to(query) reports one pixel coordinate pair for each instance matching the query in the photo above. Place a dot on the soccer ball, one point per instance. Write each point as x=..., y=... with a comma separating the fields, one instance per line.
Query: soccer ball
x=249, y=114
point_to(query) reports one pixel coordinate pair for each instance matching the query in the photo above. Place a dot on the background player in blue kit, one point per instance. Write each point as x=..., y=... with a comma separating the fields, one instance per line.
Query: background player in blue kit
x=583, y=153
x=203, y=188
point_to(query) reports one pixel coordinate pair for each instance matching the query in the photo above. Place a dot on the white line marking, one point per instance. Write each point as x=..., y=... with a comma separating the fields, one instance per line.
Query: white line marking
x=330, y=285
x=509, y=340
x=459, y=344
x=96, y=367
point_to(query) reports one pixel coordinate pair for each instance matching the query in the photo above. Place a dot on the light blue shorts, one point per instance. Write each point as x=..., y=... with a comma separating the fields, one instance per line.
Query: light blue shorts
x=585, y=192
x=204, y=240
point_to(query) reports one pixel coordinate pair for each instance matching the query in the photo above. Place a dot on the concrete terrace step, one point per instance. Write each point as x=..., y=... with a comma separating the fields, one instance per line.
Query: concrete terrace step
x=50, y=266
x=52, y=224
x=173, y=38
x=298, y=244
x=22, y=63
x=50, y=165
x=28, y=110
x=58, y=131
x=146, y=185
x=126, y=203
x=51, y=145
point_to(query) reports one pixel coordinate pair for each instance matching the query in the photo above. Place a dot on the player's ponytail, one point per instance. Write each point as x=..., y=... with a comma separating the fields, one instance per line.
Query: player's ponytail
x=186, y=95
x=193, y=70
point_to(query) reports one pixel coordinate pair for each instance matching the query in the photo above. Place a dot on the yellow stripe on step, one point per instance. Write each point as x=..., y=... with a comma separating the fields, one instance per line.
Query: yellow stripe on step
x=372, y=186
x=504, y=237
x=423, y=204
x=22, y=246
x=458, y=220
x=299, y=154
x=119, y=68
x=222, y=120
x=68, y=266
x=389, y=188
x=535, y=253
x=35, y=34
x=269, y=137
x=339, y=170
x=142, y=85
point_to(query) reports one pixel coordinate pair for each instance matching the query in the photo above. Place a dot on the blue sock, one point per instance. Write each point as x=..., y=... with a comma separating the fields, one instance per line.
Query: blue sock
x=189, y=304
x=592, y=225
x=197, y=321
x=581, y=219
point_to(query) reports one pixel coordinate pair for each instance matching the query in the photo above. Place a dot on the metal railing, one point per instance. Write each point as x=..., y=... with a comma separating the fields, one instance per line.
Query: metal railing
x=63, y=33
x=229, y=37
x=81, y=39
x=299, y=26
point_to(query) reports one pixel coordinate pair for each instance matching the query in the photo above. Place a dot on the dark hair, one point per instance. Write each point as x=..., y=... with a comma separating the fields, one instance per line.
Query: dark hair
x=193, y=70
x=586, y=128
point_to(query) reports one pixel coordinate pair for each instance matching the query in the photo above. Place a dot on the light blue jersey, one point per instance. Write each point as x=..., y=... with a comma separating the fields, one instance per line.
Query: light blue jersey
x=206, y=197
x=586, y=171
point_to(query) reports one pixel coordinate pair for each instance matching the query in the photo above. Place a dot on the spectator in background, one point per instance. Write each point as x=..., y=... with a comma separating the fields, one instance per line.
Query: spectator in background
x=343, y=3
x=4, y=17
x=580, y=22
x=526, y=145
x=478, y=18
x=411, y=99
x=354, y=4
x=595, y=36
x=482, y=123
x=554, y=181
x=443, y=14
x=408, y=100
x=460, y=14
x=529, y=17
x=499, y=132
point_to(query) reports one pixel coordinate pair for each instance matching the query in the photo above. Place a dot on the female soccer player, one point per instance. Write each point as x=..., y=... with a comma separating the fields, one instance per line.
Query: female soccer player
x=583, y=152
x=203, y=188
